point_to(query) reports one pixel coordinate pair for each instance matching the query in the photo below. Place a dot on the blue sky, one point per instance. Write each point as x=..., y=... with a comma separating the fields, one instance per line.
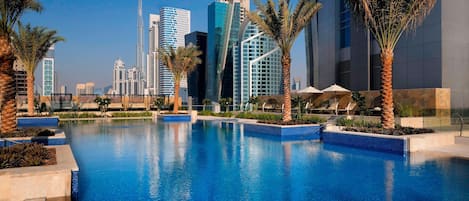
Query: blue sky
x=99, y=31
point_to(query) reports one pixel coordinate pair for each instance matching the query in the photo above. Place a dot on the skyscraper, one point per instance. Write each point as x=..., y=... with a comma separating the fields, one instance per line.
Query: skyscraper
x=196, y=80
x=244, y=5
x=257, y=65
x=140, y=54
x=223, y=28
x=119, y=77
x=48, y=69
x=174, y=25
x=133, y=81
x=20, y=77
x=152, y=56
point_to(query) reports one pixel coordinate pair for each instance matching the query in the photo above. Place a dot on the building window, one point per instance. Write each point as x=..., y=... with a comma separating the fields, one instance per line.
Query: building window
x=344, y=25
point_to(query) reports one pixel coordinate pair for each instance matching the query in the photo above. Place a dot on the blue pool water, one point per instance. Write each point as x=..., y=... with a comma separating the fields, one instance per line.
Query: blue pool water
x=145, y=160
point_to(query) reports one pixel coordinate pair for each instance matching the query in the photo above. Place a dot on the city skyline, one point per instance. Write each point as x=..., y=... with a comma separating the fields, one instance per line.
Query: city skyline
x=108, y=31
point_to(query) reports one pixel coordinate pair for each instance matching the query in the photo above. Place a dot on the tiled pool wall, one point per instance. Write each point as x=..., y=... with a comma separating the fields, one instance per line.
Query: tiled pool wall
x=175, y=118
x=377, y=143
x=49, y=122
x=45, y=140
x=302, y=132
x=75, y=184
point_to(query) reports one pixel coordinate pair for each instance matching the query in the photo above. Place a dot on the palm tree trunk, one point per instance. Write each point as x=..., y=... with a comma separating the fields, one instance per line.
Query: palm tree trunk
x=176, y=96
x=7, y=87
x=387, y=115
x=30, y=85
x=286, y=62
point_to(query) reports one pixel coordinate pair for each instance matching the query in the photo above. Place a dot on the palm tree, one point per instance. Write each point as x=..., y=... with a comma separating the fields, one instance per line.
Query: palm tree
x=206, y=102
x=284, y=26
x=180, y=62
x=30, y=46
x=387, y=20
x=10, y=13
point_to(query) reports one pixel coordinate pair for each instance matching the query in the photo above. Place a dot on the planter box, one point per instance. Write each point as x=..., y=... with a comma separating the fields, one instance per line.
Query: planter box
x=44, y=122
x=423, y=122
x=58, y=139
x=387, y=143
x=174, y=117
x=290, y=132
x=55, y=182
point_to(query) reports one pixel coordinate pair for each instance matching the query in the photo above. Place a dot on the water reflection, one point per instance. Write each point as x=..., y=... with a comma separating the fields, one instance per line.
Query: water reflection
x=219, y=161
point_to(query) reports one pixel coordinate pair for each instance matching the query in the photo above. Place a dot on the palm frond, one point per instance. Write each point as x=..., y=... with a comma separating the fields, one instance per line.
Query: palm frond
x=283, y=25
x=387, y=20
x=31, y=44
x=12, y=10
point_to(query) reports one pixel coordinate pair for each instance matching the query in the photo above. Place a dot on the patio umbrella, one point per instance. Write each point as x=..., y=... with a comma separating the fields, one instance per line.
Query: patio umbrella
x=310, y=90
x=335, y=89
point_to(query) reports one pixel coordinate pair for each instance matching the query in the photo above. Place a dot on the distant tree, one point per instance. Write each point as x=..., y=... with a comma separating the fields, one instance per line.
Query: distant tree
x=206, y=102
x=103, y=103
x=30, y=46
x=10, y=13
x=387, y=20
x=226, y=102
x=254, y=100
x=284, y=26
x=180, y=62
x=158, y=102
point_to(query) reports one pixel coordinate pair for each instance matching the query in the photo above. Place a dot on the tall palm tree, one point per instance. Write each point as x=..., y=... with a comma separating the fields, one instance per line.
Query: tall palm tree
x=387, y=20
x=30, y=46
x=284, y=26
x=10, y=13
x=180, y=62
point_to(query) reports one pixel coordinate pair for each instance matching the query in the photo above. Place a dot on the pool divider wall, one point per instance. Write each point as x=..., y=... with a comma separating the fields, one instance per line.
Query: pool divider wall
x=286, y=132
x=58, y=139
x=387, y=143
x=27, y=122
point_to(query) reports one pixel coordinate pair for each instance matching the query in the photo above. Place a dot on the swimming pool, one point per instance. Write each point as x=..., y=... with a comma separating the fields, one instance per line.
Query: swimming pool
x=145, y=160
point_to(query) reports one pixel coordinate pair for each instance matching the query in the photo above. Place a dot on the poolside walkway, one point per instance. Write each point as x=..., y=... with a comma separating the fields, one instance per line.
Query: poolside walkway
x=460, y=149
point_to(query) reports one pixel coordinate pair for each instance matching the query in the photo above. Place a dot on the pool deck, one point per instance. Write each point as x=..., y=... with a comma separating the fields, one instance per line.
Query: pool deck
x=460, y=149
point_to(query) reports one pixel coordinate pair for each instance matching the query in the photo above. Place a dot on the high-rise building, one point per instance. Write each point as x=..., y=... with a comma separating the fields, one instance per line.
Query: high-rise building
x=257, y=65
x=48, y=69
x=296, y=85
x=196, y=80
x=244, y=5
x=152, y=56
x=434, y=56
x=174, y=25
x=85, y=88
x=119, y=78
x=89, y=88
x=140, y=55
x=80, y=89
x=223, y=28
x=20, y=77
x=63, y=89
x=132, y=82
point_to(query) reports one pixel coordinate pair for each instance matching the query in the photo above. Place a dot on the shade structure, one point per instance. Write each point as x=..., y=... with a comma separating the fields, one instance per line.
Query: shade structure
x=335, y=88
x=310, y=90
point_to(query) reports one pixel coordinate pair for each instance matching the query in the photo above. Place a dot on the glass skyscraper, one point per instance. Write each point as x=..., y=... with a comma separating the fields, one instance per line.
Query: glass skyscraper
x=257, y=65
x=174, y=25
x=223, y=27
x=48, y=68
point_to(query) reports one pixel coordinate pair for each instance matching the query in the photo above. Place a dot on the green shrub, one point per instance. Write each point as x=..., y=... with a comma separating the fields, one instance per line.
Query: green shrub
x=29, y=132
x=361, y=123
x=24, y=155
x=132, y=114
x=407, y=110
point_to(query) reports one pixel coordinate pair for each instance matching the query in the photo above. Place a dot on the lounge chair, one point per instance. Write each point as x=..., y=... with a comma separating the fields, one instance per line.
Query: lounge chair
x=350, y=106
